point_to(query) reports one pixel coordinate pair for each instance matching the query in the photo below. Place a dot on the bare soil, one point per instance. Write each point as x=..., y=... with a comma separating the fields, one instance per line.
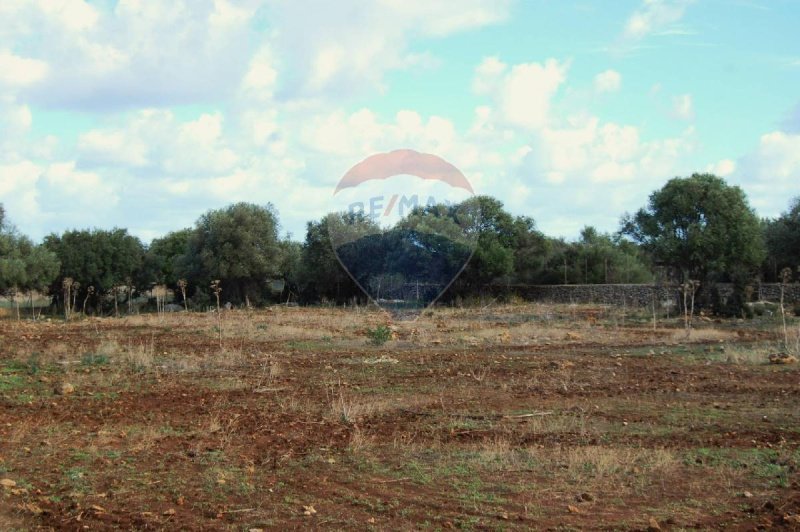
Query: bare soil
x=507, y=417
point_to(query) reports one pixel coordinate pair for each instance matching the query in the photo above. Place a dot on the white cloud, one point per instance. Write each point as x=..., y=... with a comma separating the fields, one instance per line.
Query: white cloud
x=522, y=93
x=113, y=147
x=769, y=174
x=722, y=168
x=18, y=71
x=345, y=47
x=778, y=156
x=487, y=75
x=683, y=107
x=608, y=81
x=262, y=75
x=74, y=15
x=654, y=15
x=154, y=141
x=109, y=55
x=275, y=122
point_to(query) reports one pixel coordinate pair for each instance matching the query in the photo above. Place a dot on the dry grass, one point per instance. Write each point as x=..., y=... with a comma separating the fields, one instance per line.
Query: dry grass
x=137, y=358
x=703, y=335
x=361, y=442
x=747, y=354
x=346, y=408
x=141, y=438
x=219, y=424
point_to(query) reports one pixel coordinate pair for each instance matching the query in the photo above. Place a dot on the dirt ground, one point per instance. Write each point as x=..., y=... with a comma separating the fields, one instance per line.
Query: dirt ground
x=525, y=416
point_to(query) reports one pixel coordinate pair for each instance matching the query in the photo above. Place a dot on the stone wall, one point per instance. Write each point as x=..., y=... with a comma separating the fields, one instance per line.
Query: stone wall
x=634, y=295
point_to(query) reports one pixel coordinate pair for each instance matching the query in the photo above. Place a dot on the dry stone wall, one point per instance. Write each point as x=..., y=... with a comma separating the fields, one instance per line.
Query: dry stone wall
x=637, y=295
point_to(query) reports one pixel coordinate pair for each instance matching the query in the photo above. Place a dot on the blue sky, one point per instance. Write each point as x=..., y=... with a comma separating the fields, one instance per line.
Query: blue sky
x=145, y=114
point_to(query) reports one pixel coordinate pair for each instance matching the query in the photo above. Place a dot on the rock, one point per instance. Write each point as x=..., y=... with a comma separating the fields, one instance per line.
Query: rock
x=35, y=509
x=782, y=358
x=169, y=512
x=652, y=525
x=584, y=497
x=747, y=495
x=64, y=388
x=309, y=510
x=7, y=483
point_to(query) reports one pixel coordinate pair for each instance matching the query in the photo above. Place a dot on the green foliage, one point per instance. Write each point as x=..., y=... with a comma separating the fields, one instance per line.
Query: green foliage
x=162, y=260
x=379, y=335
x=238, y=245
x=24, y=266
x=321, y=274
x=97, y=258
x=699, y=227
x=693, y=228
x=493, y=259
x=595, y=259
x=94, y=359
x=782, y=237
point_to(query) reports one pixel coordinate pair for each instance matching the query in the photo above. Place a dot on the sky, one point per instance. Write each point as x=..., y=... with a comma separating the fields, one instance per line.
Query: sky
x=145, y=114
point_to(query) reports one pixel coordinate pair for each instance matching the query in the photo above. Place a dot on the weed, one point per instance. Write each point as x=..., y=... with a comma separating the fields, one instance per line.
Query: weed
x=379, y=335
x=94, y=359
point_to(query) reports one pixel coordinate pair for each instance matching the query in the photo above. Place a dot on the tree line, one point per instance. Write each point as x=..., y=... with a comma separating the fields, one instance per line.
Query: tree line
x=697, y=229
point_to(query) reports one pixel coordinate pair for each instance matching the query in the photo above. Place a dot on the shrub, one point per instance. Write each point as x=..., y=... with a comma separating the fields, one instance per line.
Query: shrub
x=379, y=335
x=94, y=359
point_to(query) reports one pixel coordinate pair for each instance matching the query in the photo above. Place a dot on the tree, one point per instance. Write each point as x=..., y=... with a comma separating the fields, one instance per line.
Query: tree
x=238, y=246
x=291, y=266
x=603, y=258
x=782, y=236
x=700, y=228
x=493, y=259
x=531, y=251
x=322, y=275
x=105, y=260
x=162, y=260
x=24, y=266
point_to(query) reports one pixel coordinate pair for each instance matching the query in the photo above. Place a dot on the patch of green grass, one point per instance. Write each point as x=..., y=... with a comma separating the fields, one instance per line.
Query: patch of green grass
x=474, y=492
x=379, y=335
x=75, y=479
x=764, y=464
x=24, y=398
x=82, y=456
x=11, y=382
x=94, y=359
x=102, y=396
x=416, y=472
x=310, y=345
